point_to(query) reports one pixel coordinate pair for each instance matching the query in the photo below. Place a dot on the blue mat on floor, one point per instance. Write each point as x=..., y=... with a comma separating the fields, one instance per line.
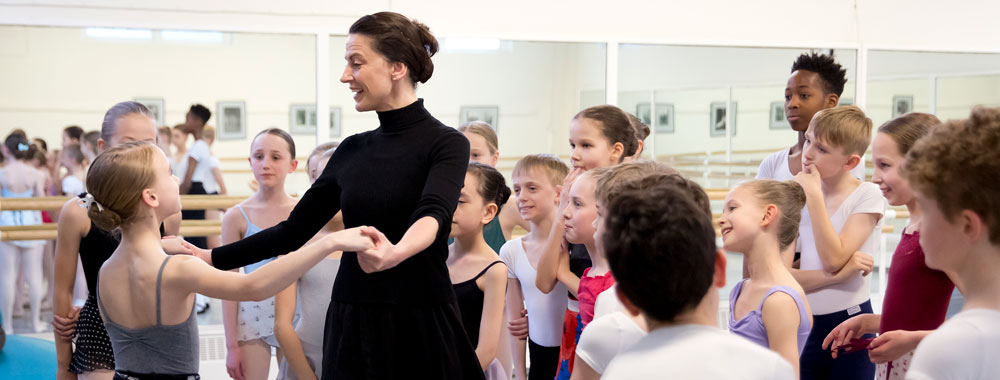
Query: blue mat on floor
x=27, y=358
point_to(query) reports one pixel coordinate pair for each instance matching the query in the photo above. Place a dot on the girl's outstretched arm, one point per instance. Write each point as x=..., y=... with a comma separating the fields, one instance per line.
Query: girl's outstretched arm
x=195, y=276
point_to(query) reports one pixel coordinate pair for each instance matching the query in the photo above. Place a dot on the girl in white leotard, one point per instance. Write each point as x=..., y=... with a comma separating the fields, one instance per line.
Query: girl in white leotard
x=249, y=326
x=301, y=336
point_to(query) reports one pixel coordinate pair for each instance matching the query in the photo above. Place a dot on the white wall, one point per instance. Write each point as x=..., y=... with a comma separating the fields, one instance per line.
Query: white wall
x=57, y=76
x=914, y=24
x=544, y=98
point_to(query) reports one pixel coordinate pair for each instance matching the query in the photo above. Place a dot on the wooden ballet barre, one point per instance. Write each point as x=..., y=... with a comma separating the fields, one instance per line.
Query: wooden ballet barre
x=208, y=202
x=885, y=229
x=48, y=231
x=188, y=202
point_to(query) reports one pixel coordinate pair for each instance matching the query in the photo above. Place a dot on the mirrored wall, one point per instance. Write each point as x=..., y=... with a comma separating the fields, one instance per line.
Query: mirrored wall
x=527, y=90
x=692, y=89
x=945, y=84
x=56, y=77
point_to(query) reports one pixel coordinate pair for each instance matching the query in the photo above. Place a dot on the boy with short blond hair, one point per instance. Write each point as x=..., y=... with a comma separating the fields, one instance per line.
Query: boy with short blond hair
x=953, y=173
x=840, y=229
x=538, y=182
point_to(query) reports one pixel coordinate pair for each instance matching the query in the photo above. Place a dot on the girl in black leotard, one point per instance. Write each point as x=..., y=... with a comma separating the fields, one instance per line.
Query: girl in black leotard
x=78, y=238
x=479, y=278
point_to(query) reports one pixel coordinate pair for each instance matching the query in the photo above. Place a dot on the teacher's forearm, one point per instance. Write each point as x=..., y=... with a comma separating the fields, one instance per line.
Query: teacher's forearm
x=418, y=237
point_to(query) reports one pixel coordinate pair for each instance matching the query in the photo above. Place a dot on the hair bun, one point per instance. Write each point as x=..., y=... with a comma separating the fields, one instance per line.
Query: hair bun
x=104, y=218
x=400, y=39
x=430, y=44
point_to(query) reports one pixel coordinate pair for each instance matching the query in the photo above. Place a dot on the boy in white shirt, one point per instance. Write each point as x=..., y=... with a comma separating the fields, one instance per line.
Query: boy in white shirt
x=661, y=247
x=199, y=160
x=816, y=83
x=841, y=226
x=213, y=183
x=537, y=181
x=953, y=172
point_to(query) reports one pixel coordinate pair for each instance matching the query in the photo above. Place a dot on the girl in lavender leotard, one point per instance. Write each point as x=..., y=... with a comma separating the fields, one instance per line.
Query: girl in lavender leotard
x=759, y=219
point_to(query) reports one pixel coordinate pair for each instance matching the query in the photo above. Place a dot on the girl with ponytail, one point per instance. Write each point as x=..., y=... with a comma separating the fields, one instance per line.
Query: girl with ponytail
x=760, y=219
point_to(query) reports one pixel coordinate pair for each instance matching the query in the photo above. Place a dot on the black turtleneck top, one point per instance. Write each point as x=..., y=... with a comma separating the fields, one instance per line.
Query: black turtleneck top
x=410, y=167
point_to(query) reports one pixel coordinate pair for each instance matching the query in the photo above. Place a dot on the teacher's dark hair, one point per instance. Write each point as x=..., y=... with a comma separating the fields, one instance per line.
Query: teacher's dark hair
x=400, y=39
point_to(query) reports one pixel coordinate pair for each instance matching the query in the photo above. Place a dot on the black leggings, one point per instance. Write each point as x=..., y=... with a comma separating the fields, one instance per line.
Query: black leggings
x=126, y=375
x=198, y=241
x=817, y=364
x=544, y=361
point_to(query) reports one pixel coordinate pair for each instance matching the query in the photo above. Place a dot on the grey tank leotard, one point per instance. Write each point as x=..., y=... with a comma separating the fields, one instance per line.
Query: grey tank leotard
x=158, y=349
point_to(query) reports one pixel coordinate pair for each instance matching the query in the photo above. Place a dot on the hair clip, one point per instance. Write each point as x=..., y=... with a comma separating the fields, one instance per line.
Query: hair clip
x=22, y=147
x=89, y=200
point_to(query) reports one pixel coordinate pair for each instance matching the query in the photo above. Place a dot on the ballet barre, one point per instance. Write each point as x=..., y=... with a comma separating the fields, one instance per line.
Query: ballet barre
x=48, y=231
x=188, y=202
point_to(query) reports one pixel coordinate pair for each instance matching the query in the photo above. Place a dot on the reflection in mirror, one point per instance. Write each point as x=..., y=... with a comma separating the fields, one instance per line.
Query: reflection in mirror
x=56, y=77
x=945, y=84
x=696, y=85
x=530, y=90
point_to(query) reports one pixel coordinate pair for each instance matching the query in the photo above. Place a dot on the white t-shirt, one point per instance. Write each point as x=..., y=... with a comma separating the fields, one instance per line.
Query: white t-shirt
x=179, y=168
x=606, y=337
x=200, y=153
x=865, y=199
x=965, y=347
x=775, y=167
x=697, y=352
x=607, y=302
x=209, y=181
x=545, y=311
x=72, y=186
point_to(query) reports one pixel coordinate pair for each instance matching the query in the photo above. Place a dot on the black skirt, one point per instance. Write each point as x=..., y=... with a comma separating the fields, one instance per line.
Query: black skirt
x=365, y=341
x=93, y=347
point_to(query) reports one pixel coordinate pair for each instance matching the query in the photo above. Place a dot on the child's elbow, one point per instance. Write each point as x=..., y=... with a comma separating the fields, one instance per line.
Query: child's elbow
x=833, y=265
x=544, y=288
x=486, y=356
x=830, y=268
x=283, y=330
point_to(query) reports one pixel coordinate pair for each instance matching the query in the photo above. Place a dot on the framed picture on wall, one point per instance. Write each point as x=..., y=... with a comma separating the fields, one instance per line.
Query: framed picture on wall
x=901, y=104
x=488, y=114
x=155, y=106
x=778, y=120
x=664, y=116
x=717, y=119
x=232, y=120
x=335, y=129
x=302, y=120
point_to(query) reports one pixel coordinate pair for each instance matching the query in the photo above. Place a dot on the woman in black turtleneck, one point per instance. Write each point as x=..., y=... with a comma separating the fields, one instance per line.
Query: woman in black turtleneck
x=393, y=312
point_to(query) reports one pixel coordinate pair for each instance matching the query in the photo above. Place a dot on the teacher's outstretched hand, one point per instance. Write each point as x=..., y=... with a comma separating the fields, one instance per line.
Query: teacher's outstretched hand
x=379, y=257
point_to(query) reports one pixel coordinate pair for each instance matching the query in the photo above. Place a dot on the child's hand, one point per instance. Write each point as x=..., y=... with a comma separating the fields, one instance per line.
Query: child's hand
x=65, y=327
x=235, y=365
x=380, y=256
x=892, y=345
x=173, y=245
x=810, y=181
x=564, y=193
x=519, y=327
x=356, y=239
x=842, y=334
x=859, y=262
